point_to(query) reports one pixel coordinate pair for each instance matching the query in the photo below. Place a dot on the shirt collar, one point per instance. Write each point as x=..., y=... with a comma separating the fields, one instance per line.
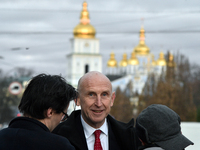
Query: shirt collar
x=88, y=130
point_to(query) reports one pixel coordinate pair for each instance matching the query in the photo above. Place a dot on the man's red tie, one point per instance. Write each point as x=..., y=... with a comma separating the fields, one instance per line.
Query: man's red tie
x=97, y=144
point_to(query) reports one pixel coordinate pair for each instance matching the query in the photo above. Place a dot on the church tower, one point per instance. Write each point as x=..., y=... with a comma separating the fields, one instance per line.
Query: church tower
x=84, y=55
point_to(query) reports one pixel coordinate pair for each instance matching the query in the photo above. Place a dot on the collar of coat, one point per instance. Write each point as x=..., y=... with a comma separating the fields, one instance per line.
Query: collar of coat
x=124, y=132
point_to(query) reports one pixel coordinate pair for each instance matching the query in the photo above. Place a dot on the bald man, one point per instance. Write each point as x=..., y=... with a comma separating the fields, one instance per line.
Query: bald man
x=95, y=97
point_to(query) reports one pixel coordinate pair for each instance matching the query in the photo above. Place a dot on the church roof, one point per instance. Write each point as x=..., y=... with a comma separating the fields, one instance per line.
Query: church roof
x=84, y=29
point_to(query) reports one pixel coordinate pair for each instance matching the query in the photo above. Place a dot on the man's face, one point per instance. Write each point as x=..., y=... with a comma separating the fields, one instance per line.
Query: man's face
x=95, y=99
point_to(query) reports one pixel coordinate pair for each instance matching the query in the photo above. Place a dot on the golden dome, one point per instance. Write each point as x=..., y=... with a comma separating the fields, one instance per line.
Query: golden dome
x=153, y=61
x=84, y=29
x=133, y=60
x=124, y=61
x=161, y=60
x=171, y=62
x=112, y=62
x=141, y=48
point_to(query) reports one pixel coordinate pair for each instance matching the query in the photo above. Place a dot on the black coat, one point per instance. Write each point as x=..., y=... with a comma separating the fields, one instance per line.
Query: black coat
x=29, y=134
x=121, y=135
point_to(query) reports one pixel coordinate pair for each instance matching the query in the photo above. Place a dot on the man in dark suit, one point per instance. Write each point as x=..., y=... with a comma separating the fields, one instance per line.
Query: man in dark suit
x=96, y=98
x=43, y=105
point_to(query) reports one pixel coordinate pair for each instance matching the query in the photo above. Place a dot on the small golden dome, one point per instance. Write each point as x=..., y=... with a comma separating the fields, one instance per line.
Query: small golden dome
x=153, y=61
x=141, y=48
x=133, y=60
x=124, y=61
x=112, y=61
x=161, y=60
x=171, y=62
x=84, y=29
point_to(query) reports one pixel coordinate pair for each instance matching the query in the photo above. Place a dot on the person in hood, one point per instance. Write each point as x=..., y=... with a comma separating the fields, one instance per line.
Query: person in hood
x=158, y=128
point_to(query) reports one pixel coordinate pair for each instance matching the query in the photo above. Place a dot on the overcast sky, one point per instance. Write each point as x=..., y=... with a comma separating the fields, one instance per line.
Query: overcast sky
x=35, y=33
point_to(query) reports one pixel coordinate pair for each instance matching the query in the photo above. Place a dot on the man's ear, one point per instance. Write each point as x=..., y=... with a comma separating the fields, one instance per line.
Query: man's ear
x=49, y=112
x=77, y=101
x=112, y=99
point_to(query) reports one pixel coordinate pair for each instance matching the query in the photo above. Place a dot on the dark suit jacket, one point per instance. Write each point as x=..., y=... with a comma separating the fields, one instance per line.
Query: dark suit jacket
x=29, y=134
x=121, y=135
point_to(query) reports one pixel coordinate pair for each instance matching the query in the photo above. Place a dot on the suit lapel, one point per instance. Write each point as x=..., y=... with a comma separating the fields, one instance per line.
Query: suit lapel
x=113, y=145
x=123, y=133
x=76, y=135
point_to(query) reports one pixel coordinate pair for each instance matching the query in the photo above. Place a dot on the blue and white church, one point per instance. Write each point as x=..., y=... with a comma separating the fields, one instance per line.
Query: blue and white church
x=134, y=68
x=84, y=55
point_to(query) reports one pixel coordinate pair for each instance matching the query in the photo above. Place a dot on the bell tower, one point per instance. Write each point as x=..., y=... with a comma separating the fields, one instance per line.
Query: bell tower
x=84, y=55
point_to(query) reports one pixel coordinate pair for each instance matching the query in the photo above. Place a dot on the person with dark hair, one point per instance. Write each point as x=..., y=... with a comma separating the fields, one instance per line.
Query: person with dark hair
x=94, y=128
x=44, y=105
x=158, y=127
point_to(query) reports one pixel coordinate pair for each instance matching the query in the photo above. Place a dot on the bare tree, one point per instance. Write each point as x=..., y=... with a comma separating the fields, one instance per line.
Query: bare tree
x=9, y=102
x=122, y=109
x=174, y=90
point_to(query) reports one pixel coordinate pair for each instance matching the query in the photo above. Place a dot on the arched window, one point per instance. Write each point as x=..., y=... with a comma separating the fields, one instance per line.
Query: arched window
x=86, y=68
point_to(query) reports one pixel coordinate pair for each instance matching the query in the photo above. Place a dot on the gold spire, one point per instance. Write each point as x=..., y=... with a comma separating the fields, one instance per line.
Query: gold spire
x=84, y=29
x=153, y=61
x=161, y=60
x=171, y=62
x=124, y=61
x=142, y=49
x=112, y=61
x=133, y=60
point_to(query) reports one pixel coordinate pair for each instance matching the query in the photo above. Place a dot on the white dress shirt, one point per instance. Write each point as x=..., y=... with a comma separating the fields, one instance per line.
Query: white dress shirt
x=90, y=138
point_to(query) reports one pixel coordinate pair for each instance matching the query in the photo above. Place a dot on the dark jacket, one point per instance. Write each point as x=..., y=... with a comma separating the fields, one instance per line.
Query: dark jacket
x=29, y=134
x=121, y=135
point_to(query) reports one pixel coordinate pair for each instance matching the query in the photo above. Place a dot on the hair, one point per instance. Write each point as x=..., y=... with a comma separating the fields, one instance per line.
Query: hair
x=44, y=92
